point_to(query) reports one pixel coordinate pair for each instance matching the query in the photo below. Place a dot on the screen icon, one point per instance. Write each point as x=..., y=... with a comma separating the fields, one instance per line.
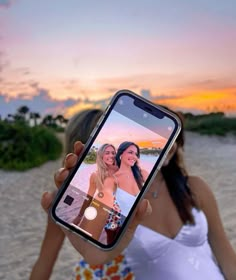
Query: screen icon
x=90, y=213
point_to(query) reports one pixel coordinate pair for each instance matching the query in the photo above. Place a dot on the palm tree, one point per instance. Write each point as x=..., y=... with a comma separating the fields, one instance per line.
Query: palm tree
x=10, y=118
x=60, y=118
x=23, y=111
x=35, y=116
x=48, y=120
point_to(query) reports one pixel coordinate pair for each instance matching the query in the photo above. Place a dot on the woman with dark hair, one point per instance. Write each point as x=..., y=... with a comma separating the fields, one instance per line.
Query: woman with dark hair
x=126, y=183
x=131, y=149
x=176, y=233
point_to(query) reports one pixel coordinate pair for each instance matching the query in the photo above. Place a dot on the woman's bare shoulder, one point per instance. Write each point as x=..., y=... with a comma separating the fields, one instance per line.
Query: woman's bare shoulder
x=200, y=189
x=93, y=176
x=144, y=173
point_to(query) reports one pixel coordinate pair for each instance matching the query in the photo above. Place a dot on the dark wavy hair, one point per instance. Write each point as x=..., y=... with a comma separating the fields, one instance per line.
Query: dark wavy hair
x=135, y=168
x=176, y=178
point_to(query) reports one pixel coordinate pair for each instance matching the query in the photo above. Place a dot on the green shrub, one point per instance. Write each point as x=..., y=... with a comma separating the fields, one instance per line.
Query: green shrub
x=23, y=147
x=212, y=124
x=91, y=157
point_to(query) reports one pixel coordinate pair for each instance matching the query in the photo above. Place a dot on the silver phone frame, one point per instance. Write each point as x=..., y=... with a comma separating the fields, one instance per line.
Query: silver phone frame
x=96, y=128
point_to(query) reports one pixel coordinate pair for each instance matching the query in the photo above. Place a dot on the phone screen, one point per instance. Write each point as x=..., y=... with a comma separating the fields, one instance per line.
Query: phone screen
x=118, y=164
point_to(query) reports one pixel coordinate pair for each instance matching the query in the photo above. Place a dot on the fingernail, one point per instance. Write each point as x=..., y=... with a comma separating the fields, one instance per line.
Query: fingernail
x=69, y=156
x=78, y=146
x=62, y=171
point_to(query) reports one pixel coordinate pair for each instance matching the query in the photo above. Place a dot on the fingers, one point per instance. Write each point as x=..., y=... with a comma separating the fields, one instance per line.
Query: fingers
x=69, y=162
x=144, y=209
x=60, y=176
x=62, y=173
x=78, y=147
x=47, y=199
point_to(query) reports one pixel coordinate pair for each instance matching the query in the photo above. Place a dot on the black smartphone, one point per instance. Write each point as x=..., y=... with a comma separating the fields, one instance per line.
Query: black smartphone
x=121, y=158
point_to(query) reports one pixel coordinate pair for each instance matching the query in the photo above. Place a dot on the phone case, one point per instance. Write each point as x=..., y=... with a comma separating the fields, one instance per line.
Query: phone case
x=124, y=153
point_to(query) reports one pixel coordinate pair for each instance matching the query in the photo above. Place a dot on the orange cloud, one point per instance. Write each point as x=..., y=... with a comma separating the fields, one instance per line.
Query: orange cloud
x=79, y=107
x=160, y=143
x=208, y=100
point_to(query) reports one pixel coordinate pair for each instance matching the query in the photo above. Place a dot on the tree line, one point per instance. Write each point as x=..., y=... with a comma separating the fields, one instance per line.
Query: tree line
x=24, y=115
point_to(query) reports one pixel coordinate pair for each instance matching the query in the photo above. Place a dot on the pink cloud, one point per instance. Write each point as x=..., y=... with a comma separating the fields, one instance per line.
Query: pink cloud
x=5, y=3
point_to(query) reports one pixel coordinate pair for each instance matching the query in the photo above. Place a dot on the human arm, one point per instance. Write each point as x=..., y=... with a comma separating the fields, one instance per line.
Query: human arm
x=144, y=174
x=221, y=247
x=53, y=237
x=92, y=254
x=50, y=247
x=86, y=203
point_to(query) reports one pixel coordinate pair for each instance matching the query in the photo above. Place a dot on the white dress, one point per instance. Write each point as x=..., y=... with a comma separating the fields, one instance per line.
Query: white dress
x=153, y=256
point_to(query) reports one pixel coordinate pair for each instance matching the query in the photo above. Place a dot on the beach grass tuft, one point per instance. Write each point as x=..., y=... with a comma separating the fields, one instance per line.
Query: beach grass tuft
x=23, y=147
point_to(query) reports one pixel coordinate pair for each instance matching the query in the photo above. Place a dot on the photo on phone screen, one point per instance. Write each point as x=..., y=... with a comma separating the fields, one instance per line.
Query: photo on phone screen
x=118, y=163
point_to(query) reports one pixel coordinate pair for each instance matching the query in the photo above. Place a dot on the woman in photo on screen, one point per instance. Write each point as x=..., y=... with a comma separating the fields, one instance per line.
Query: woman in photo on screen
x=100, y=196
x=105, y=167
x=127, y=182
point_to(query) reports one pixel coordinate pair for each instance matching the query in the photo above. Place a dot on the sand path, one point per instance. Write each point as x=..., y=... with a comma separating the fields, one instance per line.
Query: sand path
x=22, y=221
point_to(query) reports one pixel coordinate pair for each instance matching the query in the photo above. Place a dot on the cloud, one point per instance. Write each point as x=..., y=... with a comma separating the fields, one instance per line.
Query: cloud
x=40, y=101
x=212, y=84
x=4, y=63
x=5, y=3
x=24, y=71
x=85, y=104
x=146, y=93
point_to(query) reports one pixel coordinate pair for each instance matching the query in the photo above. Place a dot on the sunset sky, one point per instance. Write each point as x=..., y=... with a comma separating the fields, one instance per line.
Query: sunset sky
x=179, y=53
x=125, y=129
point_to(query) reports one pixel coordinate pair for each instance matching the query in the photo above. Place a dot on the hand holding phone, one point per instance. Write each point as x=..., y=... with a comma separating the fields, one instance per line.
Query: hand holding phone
x=92, y=254
x=124, y=153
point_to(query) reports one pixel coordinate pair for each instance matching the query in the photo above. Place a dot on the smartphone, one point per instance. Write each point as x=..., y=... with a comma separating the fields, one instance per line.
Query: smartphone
x=119, y=162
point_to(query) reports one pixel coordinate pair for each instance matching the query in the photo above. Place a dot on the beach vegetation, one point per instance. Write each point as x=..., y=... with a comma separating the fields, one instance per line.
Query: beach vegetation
x=211, y=124
x=23, y=146
x=91, y=157
x=153, y=151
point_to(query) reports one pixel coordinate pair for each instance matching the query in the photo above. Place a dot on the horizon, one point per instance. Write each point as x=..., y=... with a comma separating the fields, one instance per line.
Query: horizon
x=57, y=57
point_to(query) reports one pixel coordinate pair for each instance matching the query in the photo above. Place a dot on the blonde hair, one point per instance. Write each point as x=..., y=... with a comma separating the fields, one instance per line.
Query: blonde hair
x=102, y=171
x=79, y=128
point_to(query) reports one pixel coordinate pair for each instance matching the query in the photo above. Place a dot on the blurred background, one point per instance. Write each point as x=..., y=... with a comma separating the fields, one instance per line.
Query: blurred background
x=59, y=57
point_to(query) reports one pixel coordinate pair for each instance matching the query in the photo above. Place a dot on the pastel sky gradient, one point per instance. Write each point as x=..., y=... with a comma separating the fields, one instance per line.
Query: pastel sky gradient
x=125, y=129
x=182, y=52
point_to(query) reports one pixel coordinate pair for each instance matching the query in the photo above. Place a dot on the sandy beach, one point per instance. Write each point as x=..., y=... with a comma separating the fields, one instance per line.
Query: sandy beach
x=23, y=221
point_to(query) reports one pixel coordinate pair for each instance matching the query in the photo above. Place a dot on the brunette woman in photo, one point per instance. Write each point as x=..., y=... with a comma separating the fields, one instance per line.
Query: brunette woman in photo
x=126, y=182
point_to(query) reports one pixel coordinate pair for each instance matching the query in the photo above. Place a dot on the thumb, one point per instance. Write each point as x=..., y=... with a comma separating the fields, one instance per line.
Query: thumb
x=143, y=210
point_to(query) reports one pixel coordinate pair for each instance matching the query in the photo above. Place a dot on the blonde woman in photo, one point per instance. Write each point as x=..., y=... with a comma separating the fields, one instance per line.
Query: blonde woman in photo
x=97, y=192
